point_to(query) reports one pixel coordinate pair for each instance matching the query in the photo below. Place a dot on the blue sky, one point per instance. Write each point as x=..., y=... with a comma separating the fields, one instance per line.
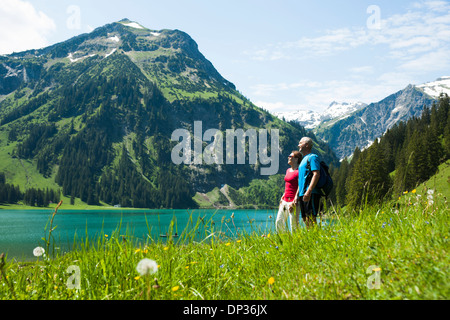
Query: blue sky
x=282, y=55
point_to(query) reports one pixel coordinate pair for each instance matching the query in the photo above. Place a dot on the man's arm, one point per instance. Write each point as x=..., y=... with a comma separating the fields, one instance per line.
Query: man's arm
x=312, y=185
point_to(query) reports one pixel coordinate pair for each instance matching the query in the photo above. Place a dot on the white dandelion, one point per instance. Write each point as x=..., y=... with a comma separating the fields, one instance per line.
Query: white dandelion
x=38, y=251
x=147, y=266
x=430, y=197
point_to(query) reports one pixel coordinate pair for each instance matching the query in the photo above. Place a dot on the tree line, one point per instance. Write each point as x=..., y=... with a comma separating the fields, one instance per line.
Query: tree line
x=11, y=194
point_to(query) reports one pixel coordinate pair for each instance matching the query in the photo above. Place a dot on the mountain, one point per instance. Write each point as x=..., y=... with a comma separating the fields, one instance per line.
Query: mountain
x=312, y=119
x=306, y=118
x=100, y=117
x=362, y=127
x=338, y=110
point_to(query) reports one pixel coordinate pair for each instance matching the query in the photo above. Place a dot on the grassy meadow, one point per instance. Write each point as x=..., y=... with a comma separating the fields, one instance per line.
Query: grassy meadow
x=395, y=251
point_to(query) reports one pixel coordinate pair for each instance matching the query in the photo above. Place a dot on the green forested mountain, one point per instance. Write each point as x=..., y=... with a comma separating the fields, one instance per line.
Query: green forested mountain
x=407, y=155
x=93, y=117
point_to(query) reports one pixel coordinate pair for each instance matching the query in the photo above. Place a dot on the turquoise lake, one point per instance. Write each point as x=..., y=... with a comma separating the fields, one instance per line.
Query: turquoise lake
x=22, y=230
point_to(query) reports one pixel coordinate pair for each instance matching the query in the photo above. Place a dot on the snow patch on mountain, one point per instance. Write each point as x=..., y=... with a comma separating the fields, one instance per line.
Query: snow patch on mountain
x=133, y=25
x=435, y=88
x=363, y=120
x=114, y=39
x=307, y=118
x=11, y=72
x=112, y=51
x=338, y=109
x=311, y=119
x=72, y=59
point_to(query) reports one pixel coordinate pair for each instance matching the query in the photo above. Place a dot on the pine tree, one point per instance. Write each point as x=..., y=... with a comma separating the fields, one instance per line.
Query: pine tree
x=370, y=181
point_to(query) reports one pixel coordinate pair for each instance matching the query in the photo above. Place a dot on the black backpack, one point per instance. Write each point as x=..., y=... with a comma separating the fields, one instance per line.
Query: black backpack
x=325, y=183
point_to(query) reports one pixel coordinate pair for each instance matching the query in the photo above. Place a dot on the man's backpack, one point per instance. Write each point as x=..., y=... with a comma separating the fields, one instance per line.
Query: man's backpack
x=325, y=183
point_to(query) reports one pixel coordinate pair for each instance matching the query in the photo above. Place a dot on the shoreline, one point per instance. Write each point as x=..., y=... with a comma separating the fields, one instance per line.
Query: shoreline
x=88, y=207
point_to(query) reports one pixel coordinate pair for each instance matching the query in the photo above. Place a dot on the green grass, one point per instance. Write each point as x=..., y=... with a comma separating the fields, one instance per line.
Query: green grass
x=439, y=182
x=214, y=198
x=405, y=241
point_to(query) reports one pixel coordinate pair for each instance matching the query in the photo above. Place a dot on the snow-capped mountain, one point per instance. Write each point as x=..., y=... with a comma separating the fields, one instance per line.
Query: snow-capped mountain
x=361, y=127
x=337, y=110
x=307, y=118
x=312, y=119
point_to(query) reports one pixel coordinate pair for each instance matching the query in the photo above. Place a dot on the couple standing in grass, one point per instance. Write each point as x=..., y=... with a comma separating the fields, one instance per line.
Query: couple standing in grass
x=300, y=181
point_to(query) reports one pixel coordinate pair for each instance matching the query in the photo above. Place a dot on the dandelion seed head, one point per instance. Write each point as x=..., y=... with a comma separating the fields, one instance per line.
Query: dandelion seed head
x=147, y=266
x=38, y=251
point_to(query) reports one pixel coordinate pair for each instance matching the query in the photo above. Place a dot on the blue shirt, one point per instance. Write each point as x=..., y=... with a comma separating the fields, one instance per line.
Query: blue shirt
x=303, y=172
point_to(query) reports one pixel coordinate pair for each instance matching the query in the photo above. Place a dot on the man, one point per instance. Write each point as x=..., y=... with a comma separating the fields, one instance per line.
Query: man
x=308, y=177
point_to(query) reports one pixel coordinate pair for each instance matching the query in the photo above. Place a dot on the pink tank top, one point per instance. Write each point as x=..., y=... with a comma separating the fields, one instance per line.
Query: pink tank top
x=291, y=186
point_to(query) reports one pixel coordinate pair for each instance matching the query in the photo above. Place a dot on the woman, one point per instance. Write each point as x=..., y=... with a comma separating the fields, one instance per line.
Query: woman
x=288, y=202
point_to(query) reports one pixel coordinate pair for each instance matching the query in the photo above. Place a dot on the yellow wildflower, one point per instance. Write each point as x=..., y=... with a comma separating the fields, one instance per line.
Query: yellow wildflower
x=137, y=250
x=137, y=278
x=414, y=191
x=175, y=288
x=271, y=280
x=227, y=244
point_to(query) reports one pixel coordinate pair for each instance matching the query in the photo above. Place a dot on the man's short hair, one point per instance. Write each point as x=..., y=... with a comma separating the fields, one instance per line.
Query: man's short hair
x=309, y=141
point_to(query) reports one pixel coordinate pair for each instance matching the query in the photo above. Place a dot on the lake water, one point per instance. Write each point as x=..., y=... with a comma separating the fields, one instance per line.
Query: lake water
x=22, y=230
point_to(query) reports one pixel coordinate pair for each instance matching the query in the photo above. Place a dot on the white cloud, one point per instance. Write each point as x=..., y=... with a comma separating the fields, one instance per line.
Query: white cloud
x=275, y=107
x=431, y=61
x=265, y=90
x=422, y=29
x=406, y=49
x=22, y=27
x=319, y=95
x=362, y=70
